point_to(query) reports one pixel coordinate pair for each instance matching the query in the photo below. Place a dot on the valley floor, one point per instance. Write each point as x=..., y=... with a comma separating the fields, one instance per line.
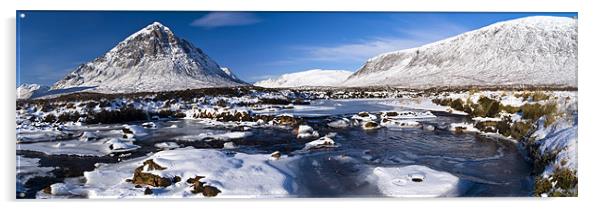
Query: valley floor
x=299, y=143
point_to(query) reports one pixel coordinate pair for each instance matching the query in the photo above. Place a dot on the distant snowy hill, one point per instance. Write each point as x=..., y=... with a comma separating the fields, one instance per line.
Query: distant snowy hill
x=152, y=59
x=35, y=91
x=315, y=77
x=25, y=91
x=533, y=50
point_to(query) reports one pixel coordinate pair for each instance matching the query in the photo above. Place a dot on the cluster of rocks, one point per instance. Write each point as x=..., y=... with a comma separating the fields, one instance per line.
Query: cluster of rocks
x=245, y=116
x=201, y=187
x=142, y=177
x=224, y=116
x=369, y=121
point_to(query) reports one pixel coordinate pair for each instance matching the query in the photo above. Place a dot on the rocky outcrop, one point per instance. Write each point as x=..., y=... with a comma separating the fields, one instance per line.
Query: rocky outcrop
x=201, y=187
x=142, y=177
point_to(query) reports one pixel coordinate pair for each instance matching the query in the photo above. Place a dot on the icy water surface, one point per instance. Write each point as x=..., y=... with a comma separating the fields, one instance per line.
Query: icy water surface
x=486, y=167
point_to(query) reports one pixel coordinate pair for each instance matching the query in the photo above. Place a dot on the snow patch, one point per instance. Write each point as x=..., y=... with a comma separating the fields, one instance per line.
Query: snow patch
x=415, y=181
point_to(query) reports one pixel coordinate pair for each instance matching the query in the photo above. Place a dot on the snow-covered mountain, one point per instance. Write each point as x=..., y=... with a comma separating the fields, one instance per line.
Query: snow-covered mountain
x=25, y=91
x=152, y=59
x=314, y=77
x=535, y=50
x=229, y=73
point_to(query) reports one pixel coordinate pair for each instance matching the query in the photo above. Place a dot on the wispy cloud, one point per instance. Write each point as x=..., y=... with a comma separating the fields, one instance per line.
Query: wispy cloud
x=360, y=50
x=439, y=30
x=261, y=77
x=46, y=73
x=220, y=19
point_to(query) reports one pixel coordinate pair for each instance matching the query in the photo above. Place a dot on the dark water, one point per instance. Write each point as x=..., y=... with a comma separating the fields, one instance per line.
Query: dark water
x=486, y=166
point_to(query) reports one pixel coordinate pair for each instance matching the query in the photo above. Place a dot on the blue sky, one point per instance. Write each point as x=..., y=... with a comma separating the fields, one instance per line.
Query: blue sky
x=255, y=45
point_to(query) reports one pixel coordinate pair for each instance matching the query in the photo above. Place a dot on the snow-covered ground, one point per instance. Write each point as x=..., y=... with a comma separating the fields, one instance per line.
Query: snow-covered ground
x=236, y=175
x=559, y=137
x=239, y=175
x=311, y=126
x=415, y=181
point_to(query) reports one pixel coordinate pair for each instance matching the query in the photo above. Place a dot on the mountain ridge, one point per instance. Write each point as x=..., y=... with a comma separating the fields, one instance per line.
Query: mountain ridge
x=537, y=50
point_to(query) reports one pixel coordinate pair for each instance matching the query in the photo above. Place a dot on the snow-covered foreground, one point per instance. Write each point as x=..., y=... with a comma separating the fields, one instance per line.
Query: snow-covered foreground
x=234, y=174
x=408, y=145
x=239, y=175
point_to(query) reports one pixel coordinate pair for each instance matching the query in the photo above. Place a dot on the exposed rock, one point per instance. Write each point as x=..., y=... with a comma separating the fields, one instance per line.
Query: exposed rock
x=286, y=120
x=47, y=190
x=460, y=129
x=370, y=125
x=177, y=179
x=148, y=191
x=363, y=114
x=195, y=179
x=225, y=116
x=276, y=155
x=127, y=131
x=391, y=114
x=200, y=187
x=152, y=165
x=210, y=191
x=142, y=178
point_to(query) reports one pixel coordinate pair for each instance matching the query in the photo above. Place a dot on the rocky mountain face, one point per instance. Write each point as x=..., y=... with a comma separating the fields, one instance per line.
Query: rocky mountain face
x=527, y=51
x=152, y=59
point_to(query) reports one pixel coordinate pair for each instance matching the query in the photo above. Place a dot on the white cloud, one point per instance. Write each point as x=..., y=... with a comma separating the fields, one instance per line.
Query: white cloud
x=262, y=77
x=436, y=32
x=359, y=51
x=219, y=19
x=364, y=49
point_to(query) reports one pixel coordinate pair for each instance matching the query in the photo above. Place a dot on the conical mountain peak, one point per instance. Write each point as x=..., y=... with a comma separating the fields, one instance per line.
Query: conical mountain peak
x=151, y=59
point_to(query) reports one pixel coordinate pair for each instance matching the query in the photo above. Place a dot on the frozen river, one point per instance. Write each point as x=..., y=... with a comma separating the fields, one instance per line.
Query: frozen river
x=483, y=166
